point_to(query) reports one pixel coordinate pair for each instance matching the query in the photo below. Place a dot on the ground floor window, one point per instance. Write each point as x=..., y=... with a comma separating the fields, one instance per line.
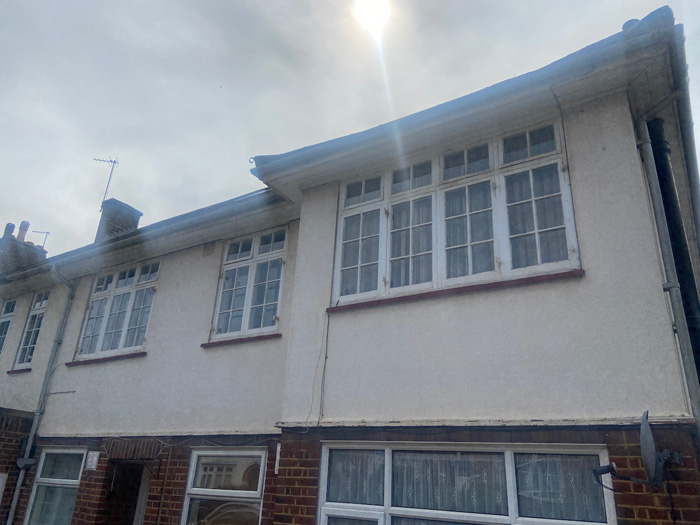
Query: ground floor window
x=56, y=487
x=225, y=486
x=416, y=484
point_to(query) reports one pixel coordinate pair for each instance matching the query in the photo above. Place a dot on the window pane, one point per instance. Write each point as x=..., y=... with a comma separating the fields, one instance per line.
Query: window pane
x=370, y=249
x=549, y=212
x=400, y=242
x=353, y=193
x=422, y=239
x=542, y=140
x=559, y=487
x=452, y=481
x=481, y=226
x=454, y=165
x=514, y=148
x=256, y=315
x=456, y=231
x=401, y=216
x=422, y=268
x=275, y=272
x=422, y=175
x=351, y=254
x=546, y=180
x=524, y=251
x=553, y=245
x=222, y=512
x=368, y=277
x=480, y=196
x=246, y=247
x=227, y=473
x=482, y=257
x=401, y=180
x=53, y=505
x=478, y=159
x=399, y=272
x=520, y=218
x=457, y=263
x=348, y=281
x=518, y=187
x=370, y=223
x=241, y=277
x=455, y=202
x=265, y=243
x=233, y=249
x=356, y=476
x=278, y=240
x=422, y=213
x=62, y=466
x=373, y=188
x=399, y=520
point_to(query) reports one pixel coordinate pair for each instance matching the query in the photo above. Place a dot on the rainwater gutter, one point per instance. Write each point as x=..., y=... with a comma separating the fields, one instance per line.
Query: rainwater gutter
x=26, y=461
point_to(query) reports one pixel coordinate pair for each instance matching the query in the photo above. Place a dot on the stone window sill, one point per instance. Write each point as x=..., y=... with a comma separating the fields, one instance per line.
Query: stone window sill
x=98, y=360
x=240, y=340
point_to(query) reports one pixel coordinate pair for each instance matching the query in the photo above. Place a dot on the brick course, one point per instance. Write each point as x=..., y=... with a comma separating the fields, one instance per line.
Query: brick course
x=12, y=430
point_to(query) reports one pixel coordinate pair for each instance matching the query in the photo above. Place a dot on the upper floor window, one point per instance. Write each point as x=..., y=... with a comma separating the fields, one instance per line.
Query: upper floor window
x=32, y=329
x=476, y=222
x=251, y=284
x=450, y=484
x=120, y=308
x=363, y=191
x=8, y=309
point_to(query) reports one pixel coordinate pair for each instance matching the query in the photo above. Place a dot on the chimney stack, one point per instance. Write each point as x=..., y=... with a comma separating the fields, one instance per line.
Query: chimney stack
x=23, y=228
x=16, y=254
x=117, y=219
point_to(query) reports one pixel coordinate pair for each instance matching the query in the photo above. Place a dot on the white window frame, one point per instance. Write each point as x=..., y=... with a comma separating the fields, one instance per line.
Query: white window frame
x=53, y=482
x=245, y=496
x=496, y=174
x=38, y=308
x=6, y=320
x=251, y=261
x=386, y=510
x=109, y=292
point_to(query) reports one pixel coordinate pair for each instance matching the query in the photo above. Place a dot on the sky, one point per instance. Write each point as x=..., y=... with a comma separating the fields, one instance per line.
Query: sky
x=184, y=93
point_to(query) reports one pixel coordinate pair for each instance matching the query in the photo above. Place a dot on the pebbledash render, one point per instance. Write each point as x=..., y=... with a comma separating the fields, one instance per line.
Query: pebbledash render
x=459, y=330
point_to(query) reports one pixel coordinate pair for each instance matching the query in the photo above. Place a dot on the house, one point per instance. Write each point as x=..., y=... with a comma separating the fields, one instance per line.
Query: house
x=456, y=317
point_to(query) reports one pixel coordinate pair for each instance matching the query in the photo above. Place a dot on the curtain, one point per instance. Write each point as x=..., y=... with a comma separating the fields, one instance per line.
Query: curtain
x=559, y=487
x=454, y=481
x=356, y=476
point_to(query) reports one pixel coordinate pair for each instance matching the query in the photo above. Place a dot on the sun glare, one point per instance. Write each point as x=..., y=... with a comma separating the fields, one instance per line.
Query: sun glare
x=372, y=15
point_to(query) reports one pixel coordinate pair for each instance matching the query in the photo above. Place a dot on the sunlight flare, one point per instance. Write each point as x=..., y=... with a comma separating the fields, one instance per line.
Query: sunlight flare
x=372, y=15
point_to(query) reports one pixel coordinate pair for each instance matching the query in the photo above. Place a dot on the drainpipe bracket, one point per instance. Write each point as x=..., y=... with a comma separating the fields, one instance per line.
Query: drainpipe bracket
x=25, y=463
x=670, y=285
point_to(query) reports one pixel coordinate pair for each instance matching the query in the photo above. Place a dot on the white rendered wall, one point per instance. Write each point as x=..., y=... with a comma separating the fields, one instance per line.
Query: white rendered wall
x=178, y=388
x=591, y=348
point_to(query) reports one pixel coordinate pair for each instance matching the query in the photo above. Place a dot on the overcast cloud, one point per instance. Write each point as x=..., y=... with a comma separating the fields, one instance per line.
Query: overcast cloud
x=184, y=93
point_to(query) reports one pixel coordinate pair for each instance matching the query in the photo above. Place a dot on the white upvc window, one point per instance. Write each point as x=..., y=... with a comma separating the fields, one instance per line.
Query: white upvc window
x=436, y=484
x=499, y=210
x=119, y=310
x=251, y=285
x=56, y=487
x=225, y=485
x=32, y=329
x=8, y=310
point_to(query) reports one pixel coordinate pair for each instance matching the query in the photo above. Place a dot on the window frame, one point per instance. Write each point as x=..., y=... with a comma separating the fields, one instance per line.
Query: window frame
x=251, y=261
x=6, y=320
x=496, y=174
x=219, y=494
x=53, y=482
x=363, y=511
x=41, y=299
x=109, y=292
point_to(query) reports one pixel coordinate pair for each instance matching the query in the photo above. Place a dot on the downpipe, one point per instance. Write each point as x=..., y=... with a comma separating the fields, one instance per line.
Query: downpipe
x=26, y=461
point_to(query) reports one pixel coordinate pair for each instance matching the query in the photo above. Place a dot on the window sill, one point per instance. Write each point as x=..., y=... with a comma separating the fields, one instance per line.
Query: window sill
x=239, y=340
x=478, y=287
x=98, y=360
x=19, y=371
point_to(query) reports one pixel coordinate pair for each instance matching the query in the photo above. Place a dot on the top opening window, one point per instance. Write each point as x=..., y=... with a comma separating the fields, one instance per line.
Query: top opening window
x=148, y=272
x=363, y=191
x=477, y=160
x=272, y=242
x=41, y=299
x=410, y=178
x=126, y=278
x=239, y=250
x=530, y=144
x=9, y=307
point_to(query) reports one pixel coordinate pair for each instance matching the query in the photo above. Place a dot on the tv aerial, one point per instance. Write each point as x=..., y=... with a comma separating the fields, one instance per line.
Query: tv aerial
x=655, y=463
x=113, y=162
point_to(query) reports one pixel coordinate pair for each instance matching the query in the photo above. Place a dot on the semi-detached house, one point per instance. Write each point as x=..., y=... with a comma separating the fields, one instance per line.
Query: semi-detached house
x=454, y=317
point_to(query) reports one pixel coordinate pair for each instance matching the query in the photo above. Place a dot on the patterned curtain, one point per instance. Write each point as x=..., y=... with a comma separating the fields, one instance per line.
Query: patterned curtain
x=356, y=476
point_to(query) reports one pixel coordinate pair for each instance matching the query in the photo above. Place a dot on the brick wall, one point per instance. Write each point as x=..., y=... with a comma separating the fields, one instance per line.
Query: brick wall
x=300, y=460
x=12, y=430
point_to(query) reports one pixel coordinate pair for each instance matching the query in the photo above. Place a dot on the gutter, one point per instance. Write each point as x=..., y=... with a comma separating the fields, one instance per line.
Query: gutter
x=27, y=461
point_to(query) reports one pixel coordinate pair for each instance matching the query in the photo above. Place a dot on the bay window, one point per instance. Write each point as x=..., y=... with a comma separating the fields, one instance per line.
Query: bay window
x=425, y=484
x=499, y=210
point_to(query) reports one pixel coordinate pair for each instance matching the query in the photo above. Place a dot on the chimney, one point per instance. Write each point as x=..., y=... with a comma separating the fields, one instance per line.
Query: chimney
x=117, y=219
x=16, y=254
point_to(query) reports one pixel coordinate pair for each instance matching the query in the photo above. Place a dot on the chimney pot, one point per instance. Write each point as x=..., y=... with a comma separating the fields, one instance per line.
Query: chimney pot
x=23, y=228
x=9, y=230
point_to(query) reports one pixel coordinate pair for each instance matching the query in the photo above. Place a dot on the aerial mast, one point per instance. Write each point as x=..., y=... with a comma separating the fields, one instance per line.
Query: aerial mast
x=113, y=162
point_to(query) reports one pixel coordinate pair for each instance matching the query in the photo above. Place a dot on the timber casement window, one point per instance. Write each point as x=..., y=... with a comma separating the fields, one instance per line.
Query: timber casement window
x=225, y=486
x=119, y=310
x=32, y=329
x=8, y=310
x=56, y=487
x=421, y=484
x=499, y=210
x=251, y=284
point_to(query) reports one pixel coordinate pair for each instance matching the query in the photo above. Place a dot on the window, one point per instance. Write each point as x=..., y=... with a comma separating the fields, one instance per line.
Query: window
x=225, y=486
x=56, y=487
x=251, y=284
x=363, y=191
x=476, y=223
x=31, y=331
x=8, y=309
x=119, y=310
x=417, y=484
